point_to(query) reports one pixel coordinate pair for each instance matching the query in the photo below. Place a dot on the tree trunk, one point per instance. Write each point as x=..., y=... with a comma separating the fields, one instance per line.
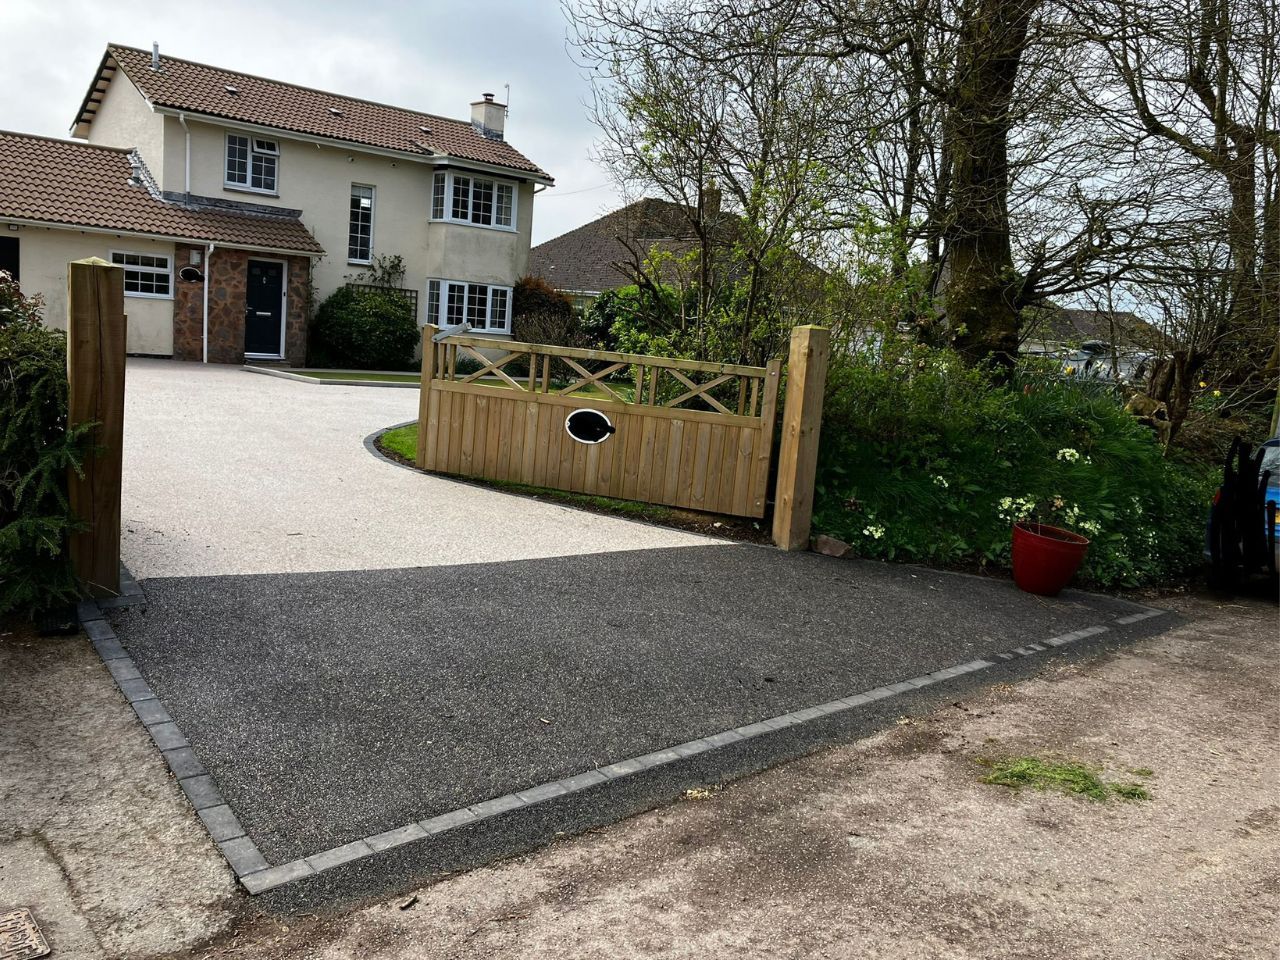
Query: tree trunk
x=980, y=296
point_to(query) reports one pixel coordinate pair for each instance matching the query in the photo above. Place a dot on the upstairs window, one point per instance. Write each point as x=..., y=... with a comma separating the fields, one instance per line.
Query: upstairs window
x=454, y=302
x=474, y=200
x=252, y=163
x=360, y=230
x=145, y=274
x=437, y=197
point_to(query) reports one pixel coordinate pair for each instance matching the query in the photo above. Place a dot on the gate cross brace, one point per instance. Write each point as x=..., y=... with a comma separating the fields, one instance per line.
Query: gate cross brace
x=494, y=366
x=588, y=378
x=696, y=390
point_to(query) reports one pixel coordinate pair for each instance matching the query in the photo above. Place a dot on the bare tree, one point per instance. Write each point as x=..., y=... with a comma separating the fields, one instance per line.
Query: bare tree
x=1193, y=83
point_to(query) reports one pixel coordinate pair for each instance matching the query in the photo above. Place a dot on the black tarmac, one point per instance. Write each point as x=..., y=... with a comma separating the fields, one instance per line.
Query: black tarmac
x=329, y=707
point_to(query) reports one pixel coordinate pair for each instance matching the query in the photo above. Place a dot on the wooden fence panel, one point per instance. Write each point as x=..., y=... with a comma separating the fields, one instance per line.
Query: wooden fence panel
x=686, y=434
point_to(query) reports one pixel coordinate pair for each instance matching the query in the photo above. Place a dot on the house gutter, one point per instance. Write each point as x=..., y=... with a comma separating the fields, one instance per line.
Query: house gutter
x=436, y=159
x=204, y=334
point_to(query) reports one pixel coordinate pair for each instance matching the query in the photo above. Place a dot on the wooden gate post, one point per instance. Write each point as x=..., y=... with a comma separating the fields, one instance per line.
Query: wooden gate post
x=95, y=374
x=429, y=332
x=801, y=424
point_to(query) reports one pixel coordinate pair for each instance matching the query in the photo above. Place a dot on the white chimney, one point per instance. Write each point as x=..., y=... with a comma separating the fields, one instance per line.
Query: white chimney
x=489, y=117
x=155, y=55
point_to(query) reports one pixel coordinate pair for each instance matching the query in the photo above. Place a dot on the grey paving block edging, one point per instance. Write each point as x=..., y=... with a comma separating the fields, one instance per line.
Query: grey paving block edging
x=257, y=876
x=199, y=788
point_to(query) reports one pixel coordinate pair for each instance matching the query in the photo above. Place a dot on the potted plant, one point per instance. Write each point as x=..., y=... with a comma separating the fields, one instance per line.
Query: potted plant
x=1045, y=557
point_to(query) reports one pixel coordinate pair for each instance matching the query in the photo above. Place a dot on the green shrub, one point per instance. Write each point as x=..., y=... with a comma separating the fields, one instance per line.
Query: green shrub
x=36, y=450
x=924, y=459
x=364, y=330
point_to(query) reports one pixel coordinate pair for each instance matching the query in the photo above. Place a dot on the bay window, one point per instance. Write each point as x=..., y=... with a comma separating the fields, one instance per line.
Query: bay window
x=463, y=198
x=451, y=303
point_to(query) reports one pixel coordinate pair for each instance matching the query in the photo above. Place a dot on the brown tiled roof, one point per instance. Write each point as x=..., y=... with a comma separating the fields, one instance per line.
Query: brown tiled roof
x=600, y=255
x=1070, y=325
x=201, y=89
x=80, y=185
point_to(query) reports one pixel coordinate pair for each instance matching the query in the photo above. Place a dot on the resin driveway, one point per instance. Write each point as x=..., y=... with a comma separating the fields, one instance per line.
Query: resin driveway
x=228, y=471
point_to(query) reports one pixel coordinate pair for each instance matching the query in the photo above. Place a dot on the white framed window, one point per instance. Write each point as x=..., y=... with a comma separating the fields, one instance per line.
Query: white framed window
x=479, y=201
x=451, y=303
x=145, y=274
x=360, y=229
x=252, y=163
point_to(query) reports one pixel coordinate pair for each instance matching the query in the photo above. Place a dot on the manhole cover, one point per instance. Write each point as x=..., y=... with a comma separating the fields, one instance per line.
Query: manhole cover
x=20, y=937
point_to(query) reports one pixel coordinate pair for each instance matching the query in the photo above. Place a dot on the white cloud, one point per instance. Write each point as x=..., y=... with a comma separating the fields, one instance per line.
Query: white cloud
x=436, y=57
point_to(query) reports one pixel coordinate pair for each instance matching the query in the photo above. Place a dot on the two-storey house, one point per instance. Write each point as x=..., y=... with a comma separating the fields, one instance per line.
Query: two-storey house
x=236, y=204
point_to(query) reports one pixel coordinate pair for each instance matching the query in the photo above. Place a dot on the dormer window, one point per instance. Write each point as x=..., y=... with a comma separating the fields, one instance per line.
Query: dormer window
x=479, y=201
x=252, y=163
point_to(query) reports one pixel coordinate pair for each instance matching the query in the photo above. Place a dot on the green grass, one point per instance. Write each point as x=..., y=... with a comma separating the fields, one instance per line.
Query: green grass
x=403, y=441
x=359, y=375
x=1063, y=776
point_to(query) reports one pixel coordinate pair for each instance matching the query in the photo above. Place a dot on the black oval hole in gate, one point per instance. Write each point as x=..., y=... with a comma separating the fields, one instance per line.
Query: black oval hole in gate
x=588, y=426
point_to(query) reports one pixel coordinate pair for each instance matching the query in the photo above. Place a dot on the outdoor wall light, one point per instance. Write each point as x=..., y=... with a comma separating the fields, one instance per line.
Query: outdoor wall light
x=589, y=426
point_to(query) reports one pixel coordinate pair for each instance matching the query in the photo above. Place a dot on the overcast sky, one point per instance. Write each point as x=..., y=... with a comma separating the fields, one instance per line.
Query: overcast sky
x=431, y=55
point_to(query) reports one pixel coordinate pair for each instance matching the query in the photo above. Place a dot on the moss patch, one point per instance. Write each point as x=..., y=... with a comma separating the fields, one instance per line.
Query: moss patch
x=1063, y=776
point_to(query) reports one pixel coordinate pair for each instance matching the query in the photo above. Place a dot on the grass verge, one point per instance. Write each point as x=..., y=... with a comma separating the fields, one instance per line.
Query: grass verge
x=1063, y=776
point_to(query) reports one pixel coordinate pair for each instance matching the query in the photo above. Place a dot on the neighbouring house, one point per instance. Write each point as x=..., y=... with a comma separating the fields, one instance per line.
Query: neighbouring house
x=1096, y=343
x=236, y=204
x=610, y=252
x=653, y=240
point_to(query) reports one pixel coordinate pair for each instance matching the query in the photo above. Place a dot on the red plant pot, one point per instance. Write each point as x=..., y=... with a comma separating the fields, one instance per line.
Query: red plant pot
x=1045, y=558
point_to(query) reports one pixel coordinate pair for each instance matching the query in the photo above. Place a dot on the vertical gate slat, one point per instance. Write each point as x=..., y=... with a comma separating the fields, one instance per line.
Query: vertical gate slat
x=438, y=444
x=671, y=471
x=529, y=427
x=713, y=499
x=644, y=475
x=701, y=466
x=630, y=466
x=742, y=490
x=564, y=475
x=515, y=429
x=578, y=469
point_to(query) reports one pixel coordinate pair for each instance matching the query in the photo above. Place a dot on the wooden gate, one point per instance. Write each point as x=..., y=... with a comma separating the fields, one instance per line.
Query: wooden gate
x=686, y=434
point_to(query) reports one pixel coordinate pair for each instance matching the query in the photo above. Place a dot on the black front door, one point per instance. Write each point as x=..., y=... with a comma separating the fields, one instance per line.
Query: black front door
x=264, y=302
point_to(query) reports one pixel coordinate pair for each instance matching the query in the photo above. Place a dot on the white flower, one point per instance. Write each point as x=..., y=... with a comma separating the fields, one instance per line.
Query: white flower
x=941, y=482
x=1069, y=454
x=875, y=531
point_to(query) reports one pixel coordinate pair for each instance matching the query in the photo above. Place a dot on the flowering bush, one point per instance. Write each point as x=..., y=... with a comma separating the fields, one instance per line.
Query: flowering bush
x=924, y=459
